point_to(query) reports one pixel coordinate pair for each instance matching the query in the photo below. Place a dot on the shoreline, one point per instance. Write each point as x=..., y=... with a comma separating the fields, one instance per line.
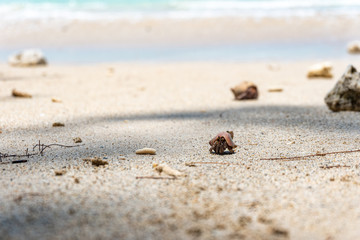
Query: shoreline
x=214, y=39
x=245, y=53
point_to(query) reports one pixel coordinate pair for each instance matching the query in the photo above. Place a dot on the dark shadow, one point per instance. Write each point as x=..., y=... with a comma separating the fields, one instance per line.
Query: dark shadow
x=286, y=118
x=307, y=117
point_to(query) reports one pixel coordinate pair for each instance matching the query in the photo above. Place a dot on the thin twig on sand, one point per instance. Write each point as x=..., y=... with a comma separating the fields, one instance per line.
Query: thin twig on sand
x=308, y=156
x=154, y=177
x=221, y=163
x=334, y=166
x=41, y=148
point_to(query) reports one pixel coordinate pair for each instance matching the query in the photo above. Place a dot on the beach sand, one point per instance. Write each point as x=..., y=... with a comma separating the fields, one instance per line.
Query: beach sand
x=177, y=108
x=178, y=32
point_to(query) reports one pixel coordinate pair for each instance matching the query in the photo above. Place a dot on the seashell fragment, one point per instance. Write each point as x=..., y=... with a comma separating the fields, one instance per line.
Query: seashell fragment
x=28, y=58
x=19, y=94
x=143, y=151
x=354, y=47
x=164, y=168
x=320, y=70
x=245, y=90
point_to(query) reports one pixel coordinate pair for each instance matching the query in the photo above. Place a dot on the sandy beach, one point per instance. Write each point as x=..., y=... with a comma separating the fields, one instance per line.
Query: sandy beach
x=177, y=108
x=126, y=75
x=178, y=32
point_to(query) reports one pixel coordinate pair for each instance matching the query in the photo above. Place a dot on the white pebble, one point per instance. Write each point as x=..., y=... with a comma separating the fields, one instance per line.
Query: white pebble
x=149, y=151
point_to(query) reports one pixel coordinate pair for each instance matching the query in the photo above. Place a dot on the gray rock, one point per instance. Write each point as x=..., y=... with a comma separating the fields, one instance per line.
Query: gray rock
x=345, y=96
x=27, y=58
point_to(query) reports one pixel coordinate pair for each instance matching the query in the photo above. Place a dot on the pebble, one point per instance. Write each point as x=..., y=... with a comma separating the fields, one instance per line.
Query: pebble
x=149, y=151
x=77, y=140
x=58, y=124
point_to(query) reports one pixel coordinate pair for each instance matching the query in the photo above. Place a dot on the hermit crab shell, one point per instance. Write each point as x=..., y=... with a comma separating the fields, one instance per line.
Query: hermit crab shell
x=228, y=135
x=245, y=90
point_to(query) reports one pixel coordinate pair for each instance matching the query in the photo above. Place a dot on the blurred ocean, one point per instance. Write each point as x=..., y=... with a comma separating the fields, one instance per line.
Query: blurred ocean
x=11, y=10
x=64, y=11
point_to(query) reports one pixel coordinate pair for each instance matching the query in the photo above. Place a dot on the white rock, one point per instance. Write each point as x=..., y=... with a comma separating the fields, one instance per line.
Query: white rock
x=27, y=58
x=354, y=47
x=322, y=70
x=149, y=151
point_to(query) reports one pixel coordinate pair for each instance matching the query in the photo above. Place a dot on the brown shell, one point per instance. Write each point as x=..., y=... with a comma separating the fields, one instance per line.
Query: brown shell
x=228, y=135
x=245, y=90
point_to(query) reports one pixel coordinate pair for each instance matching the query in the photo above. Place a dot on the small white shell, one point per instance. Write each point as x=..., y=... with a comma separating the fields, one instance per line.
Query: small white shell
x=164, y=168
x=320, y=70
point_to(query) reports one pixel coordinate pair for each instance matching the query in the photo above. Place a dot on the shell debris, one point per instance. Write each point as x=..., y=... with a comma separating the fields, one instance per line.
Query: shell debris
x=320, y=70
x=164, y=168
x=19, y=94
x=56, y=100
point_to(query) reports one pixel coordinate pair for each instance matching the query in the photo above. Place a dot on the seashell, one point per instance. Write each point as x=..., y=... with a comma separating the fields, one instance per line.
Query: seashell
x=245, y=90
x=354, y=47
x=221, y=142
x=320, y=70
x=27, y=58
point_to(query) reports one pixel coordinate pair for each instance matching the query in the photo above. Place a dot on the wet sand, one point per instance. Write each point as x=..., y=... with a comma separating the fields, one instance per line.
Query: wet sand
x=177, y=108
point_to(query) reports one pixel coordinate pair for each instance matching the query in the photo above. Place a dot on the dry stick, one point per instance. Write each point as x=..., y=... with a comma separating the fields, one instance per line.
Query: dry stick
x=307, y=156
x=153, y=177
x=284, y=158
x=334, y=166
x=222, y=163
x=42, y=148
x=15, y=162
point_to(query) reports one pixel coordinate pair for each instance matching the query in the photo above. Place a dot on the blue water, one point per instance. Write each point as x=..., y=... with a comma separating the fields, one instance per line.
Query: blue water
x=223, y=53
